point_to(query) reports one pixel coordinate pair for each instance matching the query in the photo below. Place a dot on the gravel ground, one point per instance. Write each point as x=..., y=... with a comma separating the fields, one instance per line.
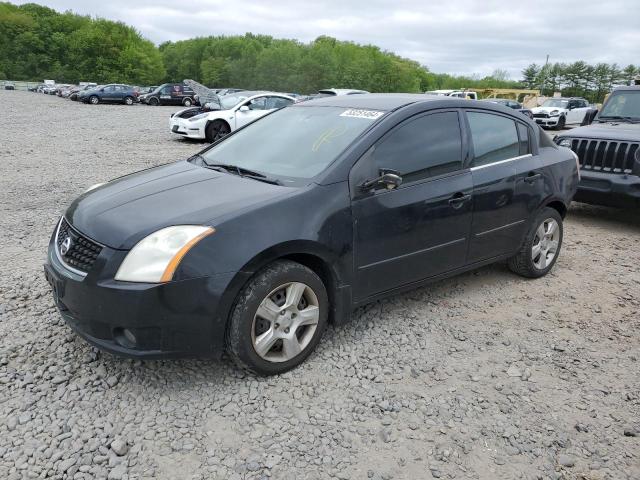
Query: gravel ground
x=483, y=376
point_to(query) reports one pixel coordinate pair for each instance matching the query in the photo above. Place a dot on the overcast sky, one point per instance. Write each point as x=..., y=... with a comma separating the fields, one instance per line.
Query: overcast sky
x=457, y=36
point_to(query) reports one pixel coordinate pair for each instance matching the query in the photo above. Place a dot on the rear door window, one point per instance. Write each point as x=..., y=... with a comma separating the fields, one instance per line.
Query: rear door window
x=494, y=138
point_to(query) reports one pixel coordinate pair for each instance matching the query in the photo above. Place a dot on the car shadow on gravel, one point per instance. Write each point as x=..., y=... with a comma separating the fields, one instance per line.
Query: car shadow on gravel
x=614, y=217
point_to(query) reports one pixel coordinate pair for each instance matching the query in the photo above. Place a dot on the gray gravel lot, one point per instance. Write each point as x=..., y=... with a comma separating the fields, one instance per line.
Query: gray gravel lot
x=483, y=376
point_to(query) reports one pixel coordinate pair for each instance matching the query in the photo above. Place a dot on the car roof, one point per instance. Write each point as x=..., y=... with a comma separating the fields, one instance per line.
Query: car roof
x=342, y=91
x=627, y=87
x=377, y=101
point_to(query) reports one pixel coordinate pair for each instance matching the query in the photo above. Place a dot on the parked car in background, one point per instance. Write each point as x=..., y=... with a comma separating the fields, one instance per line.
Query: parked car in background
x=111, y=93
x=9, y=86
x=49, y=89
x=511, y=104
x=144, y=90
x=75, y=92
x=609, y=151
x=468, y=94
x=236, y=110
x=170, y=94
x=256, y=243
x=559, y=112
x=333, y=92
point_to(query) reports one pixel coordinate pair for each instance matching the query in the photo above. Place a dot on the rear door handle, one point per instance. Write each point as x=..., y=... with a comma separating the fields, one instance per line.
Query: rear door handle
x=459, y=199
x=532, y=177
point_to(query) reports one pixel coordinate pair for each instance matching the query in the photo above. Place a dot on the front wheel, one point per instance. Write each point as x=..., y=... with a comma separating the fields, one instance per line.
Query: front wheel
x=541, y=247
x=216, y=130
x=153, y=101
x=561, y=123
x=278, y=319
x=187, y=102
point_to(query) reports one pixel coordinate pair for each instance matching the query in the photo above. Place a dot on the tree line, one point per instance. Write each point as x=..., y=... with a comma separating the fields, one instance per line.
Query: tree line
x=578, y=79
x=38, y=43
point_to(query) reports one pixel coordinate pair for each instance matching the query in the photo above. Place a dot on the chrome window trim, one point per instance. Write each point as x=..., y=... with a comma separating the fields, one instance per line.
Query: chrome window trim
x=55, y=248
x=501, y=162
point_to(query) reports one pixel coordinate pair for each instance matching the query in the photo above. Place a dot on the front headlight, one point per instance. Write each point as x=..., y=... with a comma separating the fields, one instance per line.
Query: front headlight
x=565, y=142
x=198, y=117
x=155, y=258
x=554, y=113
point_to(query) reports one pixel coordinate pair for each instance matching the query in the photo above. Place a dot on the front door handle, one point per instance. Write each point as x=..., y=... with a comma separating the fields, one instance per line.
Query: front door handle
x=459, y=199
x=532, y=177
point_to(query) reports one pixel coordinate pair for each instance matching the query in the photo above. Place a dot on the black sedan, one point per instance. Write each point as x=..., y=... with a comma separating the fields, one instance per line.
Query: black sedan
x=253, y=245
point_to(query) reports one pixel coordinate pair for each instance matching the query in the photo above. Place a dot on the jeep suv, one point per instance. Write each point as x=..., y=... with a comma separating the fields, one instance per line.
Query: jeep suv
x=608, y=151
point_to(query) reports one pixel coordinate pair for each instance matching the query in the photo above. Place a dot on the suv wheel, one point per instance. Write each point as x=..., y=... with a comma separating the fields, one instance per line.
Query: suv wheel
x=153, y=101
x=187, y=102
x=561, y=123
x=541, y=247
x=94, y=100
x=278, y=319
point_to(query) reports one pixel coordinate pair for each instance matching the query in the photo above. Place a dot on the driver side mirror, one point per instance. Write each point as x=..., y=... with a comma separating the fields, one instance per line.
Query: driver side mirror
x=389, y=179
x=244, y=108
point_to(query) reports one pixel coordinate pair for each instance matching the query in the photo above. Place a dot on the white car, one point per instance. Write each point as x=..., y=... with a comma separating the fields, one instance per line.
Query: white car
x=333, y=92
x=236, y=110
x=468, y=94
x=558, y=112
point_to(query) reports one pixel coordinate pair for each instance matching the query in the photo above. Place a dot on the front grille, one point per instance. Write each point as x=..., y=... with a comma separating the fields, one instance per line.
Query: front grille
x=81, y=251
x=605, y=155
x=540, y=115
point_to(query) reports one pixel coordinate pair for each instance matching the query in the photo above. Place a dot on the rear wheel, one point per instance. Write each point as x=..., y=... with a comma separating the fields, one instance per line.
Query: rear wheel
x=128, y=100
x=278, y=319
x=541, y=247
x=216, y=130
x=94, y=100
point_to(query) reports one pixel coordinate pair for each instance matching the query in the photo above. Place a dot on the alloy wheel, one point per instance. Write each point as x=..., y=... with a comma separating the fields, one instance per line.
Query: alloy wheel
x=545, y=244
x=285, y=322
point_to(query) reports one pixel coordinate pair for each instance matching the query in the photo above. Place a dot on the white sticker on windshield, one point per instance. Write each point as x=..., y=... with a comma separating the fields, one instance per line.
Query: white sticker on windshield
x=359, y=113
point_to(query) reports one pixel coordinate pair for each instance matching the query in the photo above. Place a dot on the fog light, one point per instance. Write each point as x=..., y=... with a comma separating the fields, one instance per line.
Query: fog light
x=125, y=337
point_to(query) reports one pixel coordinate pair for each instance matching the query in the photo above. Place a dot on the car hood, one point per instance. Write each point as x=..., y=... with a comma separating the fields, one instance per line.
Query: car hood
x=120, y=213
x=547, y=109
x=622, y=131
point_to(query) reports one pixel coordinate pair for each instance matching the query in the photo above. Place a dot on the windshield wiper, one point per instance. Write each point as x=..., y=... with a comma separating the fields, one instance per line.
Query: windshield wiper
x=243, y=172
x=618, y=117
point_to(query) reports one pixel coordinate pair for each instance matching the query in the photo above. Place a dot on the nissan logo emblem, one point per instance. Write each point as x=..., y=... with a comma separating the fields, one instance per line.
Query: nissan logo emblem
x=66, y=246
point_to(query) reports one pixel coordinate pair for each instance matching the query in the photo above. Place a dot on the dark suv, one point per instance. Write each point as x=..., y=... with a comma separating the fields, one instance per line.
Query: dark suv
x=170, y=94
x=608, y=151
x=253, y=245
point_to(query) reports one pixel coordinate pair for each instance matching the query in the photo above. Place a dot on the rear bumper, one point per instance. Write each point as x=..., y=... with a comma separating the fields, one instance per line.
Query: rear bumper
x=612, y=190
x=174, y=319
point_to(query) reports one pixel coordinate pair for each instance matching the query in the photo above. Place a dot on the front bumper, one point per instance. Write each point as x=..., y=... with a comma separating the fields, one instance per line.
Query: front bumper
x=174, y=319
x=185, y=128
x=609, y=189
x=547, y=122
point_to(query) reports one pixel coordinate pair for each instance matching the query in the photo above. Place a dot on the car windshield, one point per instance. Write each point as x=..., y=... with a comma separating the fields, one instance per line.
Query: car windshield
x=556, y=103
x=292, y=143
x=229, y=101
x=622, y=104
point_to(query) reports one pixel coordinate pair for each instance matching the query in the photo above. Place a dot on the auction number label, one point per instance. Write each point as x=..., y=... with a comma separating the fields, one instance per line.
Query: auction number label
x=359, y=113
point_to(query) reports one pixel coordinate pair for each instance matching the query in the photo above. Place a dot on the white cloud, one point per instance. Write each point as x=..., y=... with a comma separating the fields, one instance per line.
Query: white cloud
x=460, y=36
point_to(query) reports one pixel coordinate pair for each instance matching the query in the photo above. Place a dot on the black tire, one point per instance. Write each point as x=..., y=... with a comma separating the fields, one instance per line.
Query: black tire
x=561, y=123
x=522, y=263
x=94, y=100
x=241, y=323
x=187, y=102
x=154, y=102
x=128, y=100
x=217, y=130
